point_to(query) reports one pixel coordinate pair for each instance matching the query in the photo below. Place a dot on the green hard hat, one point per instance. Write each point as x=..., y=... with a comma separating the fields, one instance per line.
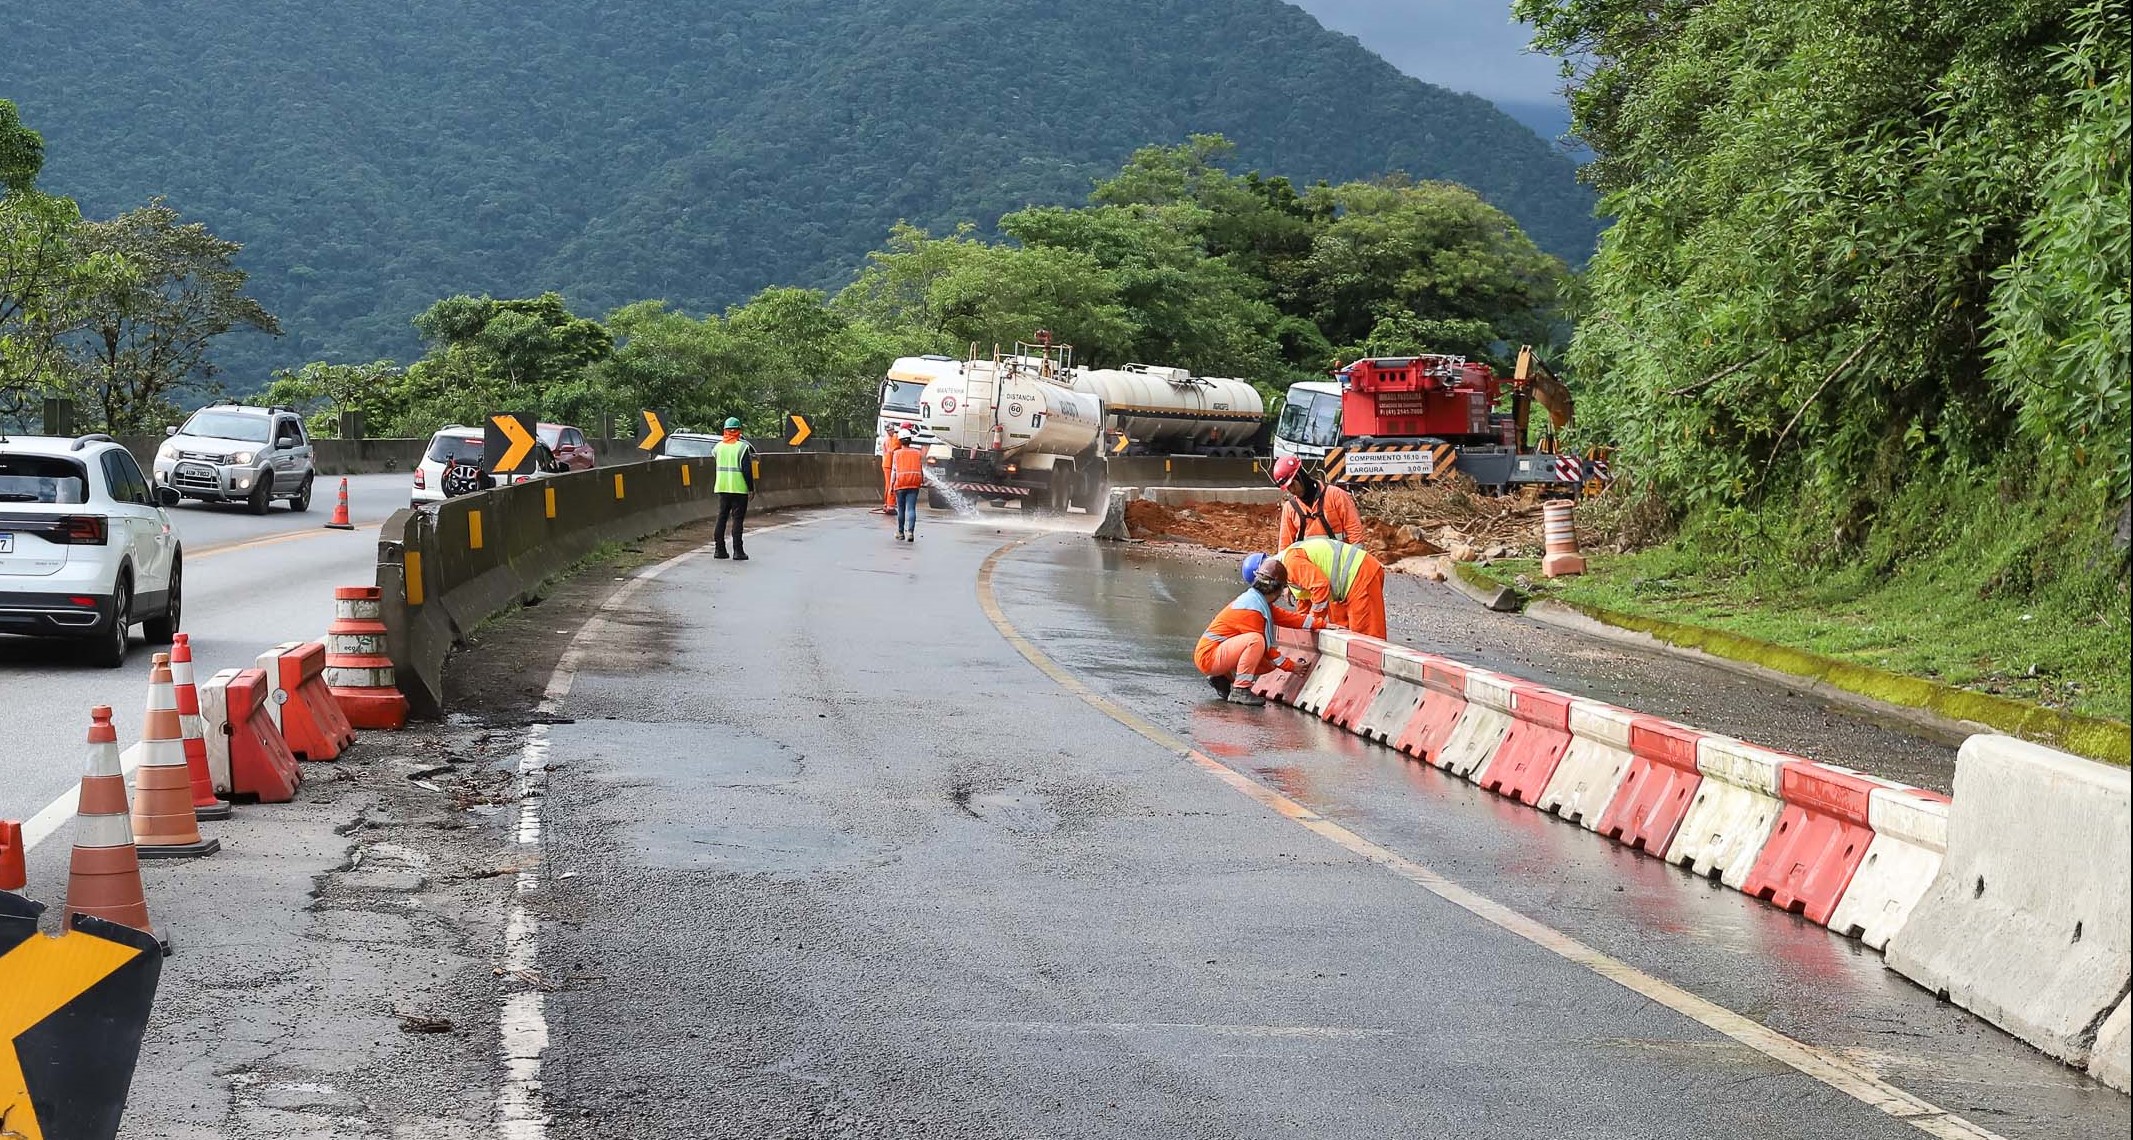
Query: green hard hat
x=732, y=422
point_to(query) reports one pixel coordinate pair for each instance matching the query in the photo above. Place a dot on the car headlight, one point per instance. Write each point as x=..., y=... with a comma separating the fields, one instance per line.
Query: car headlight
x=167, y=451
x=243, y=457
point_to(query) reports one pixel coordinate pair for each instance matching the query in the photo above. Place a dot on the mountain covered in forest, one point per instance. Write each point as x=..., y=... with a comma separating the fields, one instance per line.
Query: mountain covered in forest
x=375, y=155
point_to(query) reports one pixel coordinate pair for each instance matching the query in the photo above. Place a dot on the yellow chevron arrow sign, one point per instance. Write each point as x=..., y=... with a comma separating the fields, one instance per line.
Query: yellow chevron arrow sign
x=652, y=438
x=81, y=1076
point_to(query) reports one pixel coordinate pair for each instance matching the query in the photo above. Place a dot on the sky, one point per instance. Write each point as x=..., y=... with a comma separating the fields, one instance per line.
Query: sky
x=1466, y=45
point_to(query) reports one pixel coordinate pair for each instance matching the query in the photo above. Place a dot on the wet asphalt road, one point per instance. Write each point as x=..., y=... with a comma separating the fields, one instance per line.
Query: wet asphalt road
x=831, y=859
x=250, y=582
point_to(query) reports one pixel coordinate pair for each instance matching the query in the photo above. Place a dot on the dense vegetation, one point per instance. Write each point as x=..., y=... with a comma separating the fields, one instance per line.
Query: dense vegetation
x=1861, y=325
x=1176, y=260
x=117, y=315
x=373, y=156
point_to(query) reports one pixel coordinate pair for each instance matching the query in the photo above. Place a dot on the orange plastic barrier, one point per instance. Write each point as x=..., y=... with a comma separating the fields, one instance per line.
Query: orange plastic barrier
x=1540, y=734
x=14, y=875
x=1820, y=840
x=245, y=750
x=1443, y=699
x=1276, y=685
x=1360, y=685
x=310, y=719
x=1655, y=793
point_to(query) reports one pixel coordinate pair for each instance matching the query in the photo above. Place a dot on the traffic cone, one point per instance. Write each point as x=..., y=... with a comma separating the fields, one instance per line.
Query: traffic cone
x=104, y=877
x=340, y=510
x=14, y=876
x=205, y=805
x=164, y=826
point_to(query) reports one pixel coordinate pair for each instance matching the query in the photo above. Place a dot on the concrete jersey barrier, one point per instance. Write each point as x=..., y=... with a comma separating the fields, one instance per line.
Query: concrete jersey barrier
x=444, y=570
x=2028, y=923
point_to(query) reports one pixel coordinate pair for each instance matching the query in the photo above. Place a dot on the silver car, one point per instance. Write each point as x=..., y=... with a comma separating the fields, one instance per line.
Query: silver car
x=238, y=453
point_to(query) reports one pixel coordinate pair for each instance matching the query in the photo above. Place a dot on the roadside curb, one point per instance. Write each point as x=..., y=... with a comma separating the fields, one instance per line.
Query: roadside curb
x=1480, y=587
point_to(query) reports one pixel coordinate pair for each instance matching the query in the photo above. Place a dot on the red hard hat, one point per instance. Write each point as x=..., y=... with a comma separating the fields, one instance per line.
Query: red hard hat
x=1285, y=469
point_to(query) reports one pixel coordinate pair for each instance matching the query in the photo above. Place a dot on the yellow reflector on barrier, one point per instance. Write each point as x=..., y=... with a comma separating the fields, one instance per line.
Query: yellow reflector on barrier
x=551, y=500
x=618, y=484
x=411, y=576
x=473, y=530
x=684, y=474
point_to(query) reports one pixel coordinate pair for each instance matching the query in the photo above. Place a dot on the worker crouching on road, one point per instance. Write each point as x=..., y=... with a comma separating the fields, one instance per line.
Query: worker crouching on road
x=892, y=438
x=907, y=475
x=1239, y=644
x=1313, y=507
x=737, y=471
x=1340, y=582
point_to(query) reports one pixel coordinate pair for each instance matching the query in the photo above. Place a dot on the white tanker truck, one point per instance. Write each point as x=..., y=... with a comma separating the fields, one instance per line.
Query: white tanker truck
x=1031, y=427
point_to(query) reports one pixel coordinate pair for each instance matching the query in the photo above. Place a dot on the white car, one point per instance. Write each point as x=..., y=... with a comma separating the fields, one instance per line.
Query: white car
x=461, y=444
x=86, y=545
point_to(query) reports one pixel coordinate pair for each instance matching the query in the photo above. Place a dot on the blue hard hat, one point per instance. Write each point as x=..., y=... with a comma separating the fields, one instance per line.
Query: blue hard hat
x=1252, y=562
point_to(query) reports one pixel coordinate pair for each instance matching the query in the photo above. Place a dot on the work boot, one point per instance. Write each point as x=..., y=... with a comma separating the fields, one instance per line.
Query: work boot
x=1239, y=695
x=912, y=537
x=899, y=536
x=1220, y=685
x=739, y=555
x=720, y=553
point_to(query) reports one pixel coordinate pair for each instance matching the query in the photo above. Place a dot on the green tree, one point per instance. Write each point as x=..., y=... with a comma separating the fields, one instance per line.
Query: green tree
x=953, y=293
x=21, y=152
x=322, y=391
x=147, y=330
x=488, y=355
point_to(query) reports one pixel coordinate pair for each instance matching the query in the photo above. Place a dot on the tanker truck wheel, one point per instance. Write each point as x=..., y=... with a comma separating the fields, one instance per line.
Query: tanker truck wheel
x=1058, y=491
x=1089, y=489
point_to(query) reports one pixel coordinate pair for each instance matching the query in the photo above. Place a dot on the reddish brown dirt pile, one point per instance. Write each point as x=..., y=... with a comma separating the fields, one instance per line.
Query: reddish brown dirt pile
x=1255, y=526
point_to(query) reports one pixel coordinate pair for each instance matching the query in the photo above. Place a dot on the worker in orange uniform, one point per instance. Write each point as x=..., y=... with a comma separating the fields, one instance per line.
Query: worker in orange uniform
x=1314, y=507
x=1340, y=582
x=1239, y=644
x=891, y=439
x=906, y=475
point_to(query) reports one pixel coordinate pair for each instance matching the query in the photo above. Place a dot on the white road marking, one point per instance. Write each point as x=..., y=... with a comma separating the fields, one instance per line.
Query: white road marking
x=1831, y=1069
x=522, y=1039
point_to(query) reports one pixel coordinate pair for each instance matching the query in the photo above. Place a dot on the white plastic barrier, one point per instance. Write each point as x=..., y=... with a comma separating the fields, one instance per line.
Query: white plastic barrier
x=1481, y=728
x=1326, y=677
x=215, y=727
x=2113, y=1054
x=1910, y=839
x=2028, y=924
x=1397, y=699
x=1735, y=807
x=1592, y=767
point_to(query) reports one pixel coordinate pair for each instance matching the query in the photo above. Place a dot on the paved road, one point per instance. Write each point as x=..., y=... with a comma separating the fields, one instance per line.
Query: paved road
x=830, y=858
x=250, y=581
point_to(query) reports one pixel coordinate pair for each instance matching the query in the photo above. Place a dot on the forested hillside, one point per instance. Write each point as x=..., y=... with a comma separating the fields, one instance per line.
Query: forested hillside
x=374, y=155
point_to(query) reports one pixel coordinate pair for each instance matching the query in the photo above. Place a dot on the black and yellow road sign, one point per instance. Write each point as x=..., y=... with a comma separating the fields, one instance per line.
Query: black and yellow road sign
x=1373, y=463
x=72, y=1012
x=652, y=431
x=797, y=431
x=507, y=444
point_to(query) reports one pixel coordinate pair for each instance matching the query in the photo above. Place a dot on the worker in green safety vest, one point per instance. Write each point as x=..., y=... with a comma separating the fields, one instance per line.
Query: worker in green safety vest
x=737, y=471
x=1338, y=581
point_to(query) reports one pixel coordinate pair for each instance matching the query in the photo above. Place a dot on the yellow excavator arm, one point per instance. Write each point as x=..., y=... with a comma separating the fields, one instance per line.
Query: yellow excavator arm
x=1536, y=375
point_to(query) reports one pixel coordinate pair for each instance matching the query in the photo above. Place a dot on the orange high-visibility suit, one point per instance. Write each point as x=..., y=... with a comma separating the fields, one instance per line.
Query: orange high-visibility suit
x=1334, y=516
x=1239, y=643
x=1340, y=582
x=907, y=469
x=889, y=448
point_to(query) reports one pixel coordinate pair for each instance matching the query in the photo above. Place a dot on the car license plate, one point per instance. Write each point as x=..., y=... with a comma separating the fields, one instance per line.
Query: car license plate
x=7, y=542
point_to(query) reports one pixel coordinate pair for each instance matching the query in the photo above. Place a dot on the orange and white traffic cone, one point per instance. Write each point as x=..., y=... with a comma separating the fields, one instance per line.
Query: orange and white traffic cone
x=14, y=875
x=164, y=826
x=340, y=510
x=104, y=877
x=205, y=805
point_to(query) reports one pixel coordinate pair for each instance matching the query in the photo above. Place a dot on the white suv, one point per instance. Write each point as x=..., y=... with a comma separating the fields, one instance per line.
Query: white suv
x=86, y=547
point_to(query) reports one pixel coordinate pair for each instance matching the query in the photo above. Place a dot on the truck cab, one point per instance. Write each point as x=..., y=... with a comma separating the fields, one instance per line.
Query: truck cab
x=904, y=389
x=1310, y=421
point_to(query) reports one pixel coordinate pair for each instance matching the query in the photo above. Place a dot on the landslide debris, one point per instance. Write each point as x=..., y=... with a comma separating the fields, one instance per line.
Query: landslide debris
x=1410, y=522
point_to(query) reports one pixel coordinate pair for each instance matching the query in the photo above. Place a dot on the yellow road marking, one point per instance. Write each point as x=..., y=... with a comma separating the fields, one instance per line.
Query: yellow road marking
x=271, y=539
x=1828, y=1068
